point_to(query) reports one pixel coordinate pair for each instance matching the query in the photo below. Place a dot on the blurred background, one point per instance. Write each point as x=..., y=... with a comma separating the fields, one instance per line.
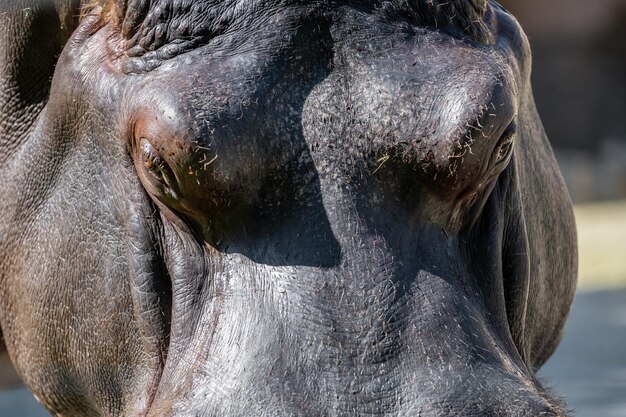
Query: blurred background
x=579, y=79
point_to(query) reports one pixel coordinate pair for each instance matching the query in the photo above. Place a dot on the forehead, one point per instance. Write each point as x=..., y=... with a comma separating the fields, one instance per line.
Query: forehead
x=156, y=31
x=206, y=17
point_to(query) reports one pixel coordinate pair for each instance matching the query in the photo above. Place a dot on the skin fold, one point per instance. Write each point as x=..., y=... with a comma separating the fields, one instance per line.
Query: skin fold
x=278, y=208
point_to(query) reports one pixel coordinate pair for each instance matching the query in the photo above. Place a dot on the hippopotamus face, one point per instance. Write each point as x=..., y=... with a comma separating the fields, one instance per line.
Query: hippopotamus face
x=279, y=208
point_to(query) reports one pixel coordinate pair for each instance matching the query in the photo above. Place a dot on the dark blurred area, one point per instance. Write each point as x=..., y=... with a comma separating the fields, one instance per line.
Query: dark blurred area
x=579, y=81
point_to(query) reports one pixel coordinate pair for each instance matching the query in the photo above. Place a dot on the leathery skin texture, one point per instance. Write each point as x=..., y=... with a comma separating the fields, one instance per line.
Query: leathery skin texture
x=278, y=208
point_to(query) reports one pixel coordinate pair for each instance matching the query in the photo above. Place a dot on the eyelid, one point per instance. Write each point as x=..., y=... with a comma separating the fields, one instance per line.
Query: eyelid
x=162, y=176
x=505, y=143
x=510, y=131
x=151, y=159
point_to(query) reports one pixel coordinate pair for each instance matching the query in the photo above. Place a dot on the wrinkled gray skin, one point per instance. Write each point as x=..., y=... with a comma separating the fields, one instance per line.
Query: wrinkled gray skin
x=277, y=208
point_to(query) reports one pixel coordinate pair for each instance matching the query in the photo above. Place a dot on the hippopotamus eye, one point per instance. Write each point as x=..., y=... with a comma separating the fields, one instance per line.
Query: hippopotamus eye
x=152, y=160
x=505, y=144
x=154, y=171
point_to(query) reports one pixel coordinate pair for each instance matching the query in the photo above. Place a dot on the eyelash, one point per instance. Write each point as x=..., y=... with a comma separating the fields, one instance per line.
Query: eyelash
x=151, y=160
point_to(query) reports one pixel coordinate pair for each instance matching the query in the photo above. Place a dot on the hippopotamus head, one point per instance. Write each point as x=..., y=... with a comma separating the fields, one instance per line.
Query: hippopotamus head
x=278, y=208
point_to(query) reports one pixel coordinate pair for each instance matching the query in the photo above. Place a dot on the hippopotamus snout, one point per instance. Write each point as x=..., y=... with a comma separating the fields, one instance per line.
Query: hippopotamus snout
x=499, y=401
x=516, y=406
x=370, y=336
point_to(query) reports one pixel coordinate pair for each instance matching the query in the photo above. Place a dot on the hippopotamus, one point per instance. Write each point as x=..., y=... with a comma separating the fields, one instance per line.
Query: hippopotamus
x=278, y=208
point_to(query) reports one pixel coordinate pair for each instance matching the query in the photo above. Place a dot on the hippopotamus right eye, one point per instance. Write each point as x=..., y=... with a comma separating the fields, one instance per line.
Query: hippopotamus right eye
x=156, y=169
x=151, y=159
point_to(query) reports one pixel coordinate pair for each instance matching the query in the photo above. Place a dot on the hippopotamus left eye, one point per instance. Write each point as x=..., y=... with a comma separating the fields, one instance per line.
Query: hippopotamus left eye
x=504, y=147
